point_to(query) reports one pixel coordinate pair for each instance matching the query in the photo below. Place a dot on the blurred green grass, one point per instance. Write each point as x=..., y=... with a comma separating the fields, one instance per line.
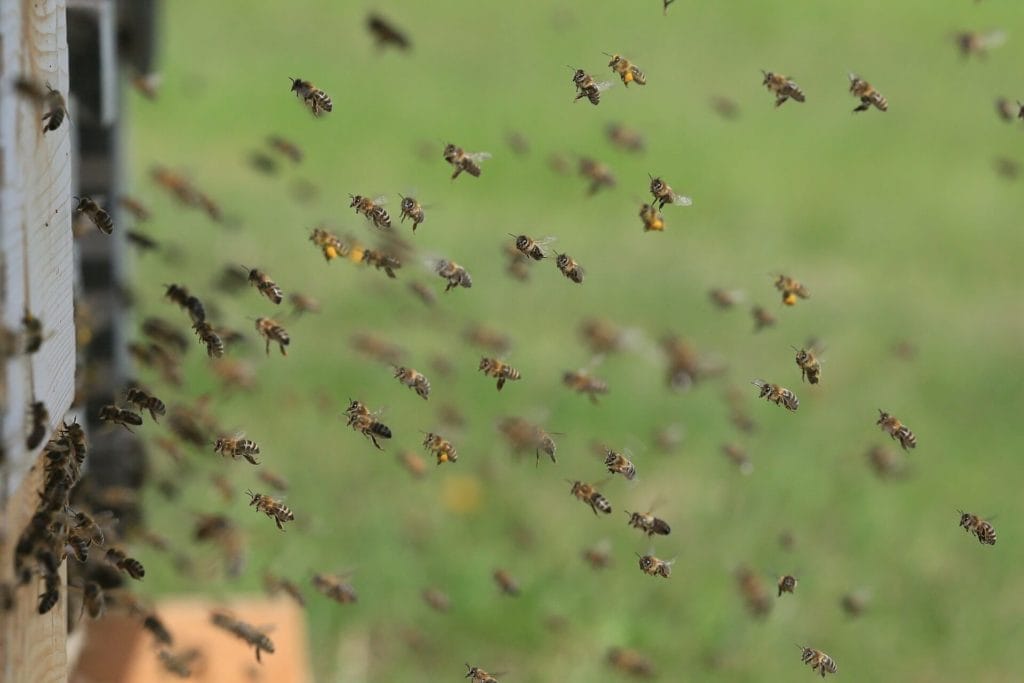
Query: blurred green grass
x=897, y=222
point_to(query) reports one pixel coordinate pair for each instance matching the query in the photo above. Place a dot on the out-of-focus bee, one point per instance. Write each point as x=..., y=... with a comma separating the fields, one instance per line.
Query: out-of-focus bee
x=373, y=209
x=237, y=446
x=724, y=298
x=598, y=556
x=663, y=194
x=783, y=87
x=587, y=87
x=602, y=335
x=335, y=588
x=456, y=275
x=413, y=464
x=366, y=423
x=885, y=462
x=810, y=366
x=1007, y=110
x=412, y=209
x=250, y=634
x=377, y=348
x=754, y=591
x=653, y=566
x=617, y=463
x=817, y=660
x=648, y=523
x=777, y=394
x=264, y=284
x=461, y=160
x=329, y=243
x=599, y=174
x=896, y=429
x=179, y=295
x=625, y=138
x=34, y=336
x=137, y=209
x=974, y=524
x=234, y=373
x=506, y=583
x=868, y=95
x=121, y=416
x=93, y=600
x=141, y=241
x=147, y=85
x=96, y=214
x=516, y=265
x=478, y=675
x=271, y=507
x=382, y=261
x=176, y=184
x=855, y=603
x=725, y=107
x=285, y=147
x=627, y=71
x=385, y=33
x=652, y=218
x=270, y=330
x=303, y=303
x=492, y=367
x=738, y=456
x=56, y=110
x=129, y=565
x=84, y=526
x=437, y=599
x=274, y=584
x=791, y=289
x=531, y=248
x=49, y=598
x=488, y=338
x=591, y=496
x=558, y=163
x=978, y=42
x=1007, y=168
x=263, y=162
x=581, y=381
x=146, y=401
x=152, y=623
x=313, y=97
x=569, y=268
x=39, y=417
x=206, y=333
x=224, y=487
x=787, y=584
x=762, y=318
x=414, y=380
x=627, y=660
x=180, y=663
x=787, y=540
x=441, y=447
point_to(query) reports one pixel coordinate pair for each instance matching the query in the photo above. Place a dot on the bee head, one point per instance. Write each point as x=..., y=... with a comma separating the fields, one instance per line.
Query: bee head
x=356, y=198
x=657, y=185
x=562, y=260
x=768, y=76
x=522, y=242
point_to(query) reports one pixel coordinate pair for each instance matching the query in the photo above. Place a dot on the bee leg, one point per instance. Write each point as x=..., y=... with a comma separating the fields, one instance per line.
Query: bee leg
x=126, y=427
x=501, y=383
x=284, y=352
x=268, y=347
x=374, y=440
x=279, y=525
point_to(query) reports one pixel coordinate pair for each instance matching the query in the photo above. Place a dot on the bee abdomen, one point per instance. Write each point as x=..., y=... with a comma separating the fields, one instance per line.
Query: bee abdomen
x=471, y=168
x=381, y=430
x=601, y=503
x=986, y=534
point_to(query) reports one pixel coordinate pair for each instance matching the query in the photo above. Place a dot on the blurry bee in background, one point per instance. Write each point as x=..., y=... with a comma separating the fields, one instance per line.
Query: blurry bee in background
x=180, y=663
x=56, y=110
x=978, y=42
x=329, y=243
x=385, y=33
x=868, y=95
x=810, y=366
x=285, y=147
x=111, y=413
x=141, y=241
x=855, y=603
x=787, y=584
x=581, y=381
x=725, y=107
x=627, y=660
x=456, y=275
x=274, y=584
x=625, y=138
x=270, y=330
x=373, y=209
x=179, y=295
x=738, y=456
x=39, y=418
x=264, y=284
x=214, y=344
x=234, y=374
x=569, y=268
x=648, y=523
x=176, y=184
x=335, y=588
x=558, y=163
x=782, y=87
x=250, y=634
x=886, y=463
x=602, y=335
x=136, y=208
x=668, y=438
x=591, y=496
x=492, y=367
x=93, y=600
x=382, y=261
x=787, y=541
x=723, y=298
x=652, y=218
x=974, y=524
x=462, y=160
x=517, y=142
x=413, y=464
x=817, y=660
x=617, y=463
x=896, y=429
x=303, y=303
x=146, y=401
x=412, y=209
x=128, y=565
x=313, y=97
x=488, y=338
x=478, y=675
x=96, y=215
x=506, y=584
x=377, y=349
x=147, y=85
x=414, y=380
x=652, y=566
x=1008, y=111
x=441, y=447
x=598, y=556
x=762, y=318
x=627, y=71
x=684, y=366
x=423, y=293
x=33, y=332
x=436, y=599
x=755, y=593
x=777, y=394
x=531, y=248
x=599, y=174
x=238, y=446
x=1007, y=168
x=663, y=194
x=791, y=289
x=262, y=162
x=587, y=87
x=223, y=486
x=271, y=507
x=516, y=265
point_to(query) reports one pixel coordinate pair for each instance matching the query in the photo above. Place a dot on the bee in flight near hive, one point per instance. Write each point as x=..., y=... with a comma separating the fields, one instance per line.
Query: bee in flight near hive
x=506, y=583
x=272, y=508
x=598, y=173
x=817, y=660
x=329, y=243
x=478, y=675
x=974, y=524
x=791, y=289
x=129, y=565
x=762, y=318
x=313, y=97
x=777, y=394
x=56, y=110
x=250, y=634
x=39, y=417
x=897, y=430
x=628, y=660
x=336, y=588
x=414, y=380
x=237, y=447
x=366, y=423
x=412, y=209
x=581, y=381
x=627, y=139
x=627, y=71
x=649, y=524
x=663, y=194
x=120, y=416
x=264, y=284
x=456, y=275
x=569, y=268
x=869, y=97
x=783, y=87
x=213, y=341
x=591, y=496
x=270, y=330
x=373, y=209
x=285, y=147
x=787, y=584
x=653, y=566
x=978, y=42
x=441, y=447
x=587, y=87
x=652, y=218
x=810, y=366
x=462, y=160
x=96, y=214
x=145, y=401
x=385, y=33
x=492, y=367
x=617, y=463
x=530, y=247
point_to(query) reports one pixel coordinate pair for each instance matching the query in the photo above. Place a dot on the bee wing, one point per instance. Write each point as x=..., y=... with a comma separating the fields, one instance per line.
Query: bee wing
x=994, y=38
x=478, y=156
x=543, y=242
x=681, y=200
x=604, y=85
x=381, y=200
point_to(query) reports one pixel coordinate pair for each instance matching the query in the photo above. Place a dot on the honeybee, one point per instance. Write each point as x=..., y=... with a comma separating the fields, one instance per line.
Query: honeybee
x=147, y=85
x=85, y=527
x=413, y=464
x=762, y=318
x=456, y=275
x=531, y=248
x=979, y=527
x=817, y=660
x=777, y=394
x=652, y=566
x=366, y=423
x=897, y=430
x=329, y=243
x=591, y=496
x=599, y=174
x=723, y=298
x=238, y=447
x=630, y=661
x=755, y=593
x=791, y=289
x=648, y=523
x=507, y=584
x=250, y=634
x=145, y=401
x=385, y=33
x=128, y=565
x=335, y=588
x=885, y=462
x=598, y=556
x=414, y=380
x=569, y=268
x=377, y=348
x=1007, y=110
x=516, y=265
x=587, y=87
x=121, y=416
x=627, y=71
x=1007, y=168
x=34, y=336
x=179, y=295
x=441, y=447
x=810, y=366
x=437, y=599
x=265, y=285
x=272, y=508
x=56, y=110
x=488, y=338
x=725, y=107
x=617, y=463
x=855, y=603
x=581, y=381
x=274, y=584
x=625, y=138
x=462, y=160
x=93, y=600
x=313, y=97
x=214, y=344
x=40, y=418
x=285, y=147
x=737, y=455
x=373, y=209
x=412, y=209
x=787, y=584
x=868, y=95
x=270, y=330
x=381, y=261
x=978, y=42
x=478, y=675
x=663, y=194
x=97, y=215
x=492, y=367
x=179, y=664
x=49, y=598
x=782, y=87
x=152, y=623
x=602, y=335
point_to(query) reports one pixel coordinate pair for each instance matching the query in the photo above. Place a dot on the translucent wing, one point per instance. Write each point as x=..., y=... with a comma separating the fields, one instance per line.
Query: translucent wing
x=478, y=156
x=681, y=200
x=380, y=200
x=604, y=85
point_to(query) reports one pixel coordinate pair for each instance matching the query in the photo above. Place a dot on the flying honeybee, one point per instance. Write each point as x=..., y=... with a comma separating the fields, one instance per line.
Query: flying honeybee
x=441, y=447
x=783, y=87
x=617, y=463
x=313, y=97
x=366, y=423
x=777, y=394
x=336, y=588
x=329, y=243
x=652, y=218
x=628, y=660
x=456, y=275
x=787, y=584
x=591, y=496
x=34, y=336
x=587, y=87
x=598, y=556
x=649, y=524
x=791, y=289
x=738, y=456
x=506, y=583
x=598, y=173
x=373, y=209
x=385, y=33
x=868, y=95
x=121, y=416
x=886, y=463
x=569, y=268
x=754, y=591
x=478, y=675
x=627, y=71
x=413, y=464
x=93, y=600
x=810, y=366
x=265, y=285
x=238, y=447
x=530, y=247
x=39, y=418
x=382, y=261
x=897, y=430
x=1008, y=111
x=461, y=160
x=979, y=527
x=502, y=371
x=96, y=214
x=664, y=6
x=128, y=565
x=250, y=634
x=762, y=318
x=653, y=566
x=414, y=380
x=412, y=209
x=581, y=381
x=213, y=341
x=146, y=401
x=978, y=42
x=285, y=147
x=56, y=110
x=817, y=660
x=272, y=508
x=663, y=194
x=270, y=330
